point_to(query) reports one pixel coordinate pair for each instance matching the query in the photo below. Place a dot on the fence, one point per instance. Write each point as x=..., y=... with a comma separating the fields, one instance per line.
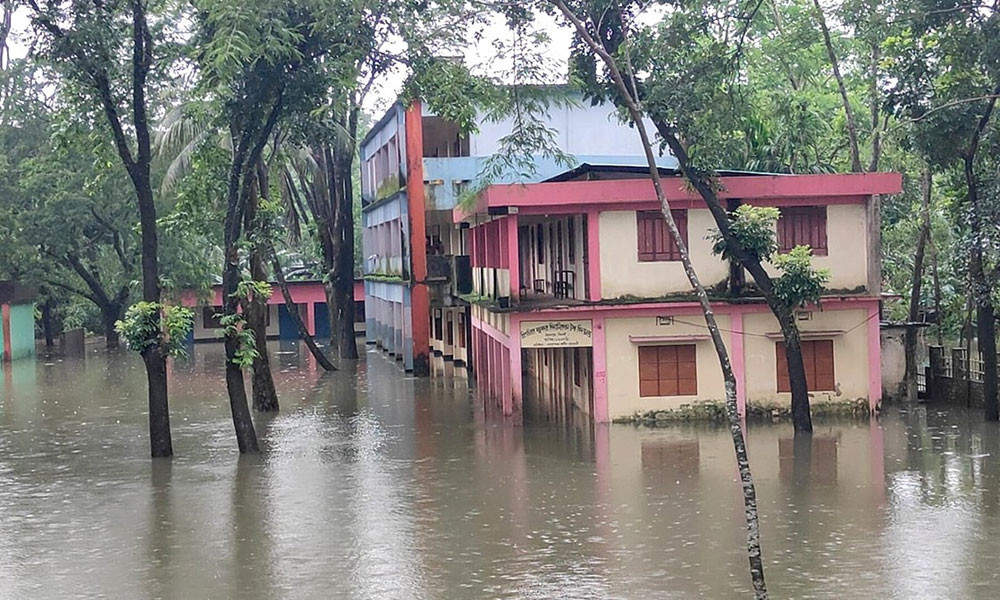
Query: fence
x=953, y=377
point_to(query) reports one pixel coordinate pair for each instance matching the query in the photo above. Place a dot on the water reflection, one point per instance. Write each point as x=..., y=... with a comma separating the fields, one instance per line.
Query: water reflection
x=377, y=485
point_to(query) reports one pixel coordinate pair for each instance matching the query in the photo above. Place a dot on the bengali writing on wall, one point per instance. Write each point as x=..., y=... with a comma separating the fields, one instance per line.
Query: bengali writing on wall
x=557, y=334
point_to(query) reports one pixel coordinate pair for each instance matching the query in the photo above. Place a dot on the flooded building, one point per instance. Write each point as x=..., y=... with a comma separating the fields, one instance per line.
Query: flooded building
x=309, y=298
x=17, y=320
x=567, y=293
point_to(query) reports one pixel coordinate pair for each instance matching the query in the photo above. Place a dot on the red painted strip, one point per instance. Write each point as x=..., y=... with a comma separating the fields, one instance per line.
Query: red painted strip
x=6, y=333
x=419, y=295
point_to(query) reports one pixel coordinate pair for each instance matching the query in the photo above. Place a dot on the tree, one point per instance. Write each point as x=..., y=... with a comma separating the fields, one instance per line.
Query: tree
x=620, y=71
x=690, y=63
x=109, y=49
x=947, y=83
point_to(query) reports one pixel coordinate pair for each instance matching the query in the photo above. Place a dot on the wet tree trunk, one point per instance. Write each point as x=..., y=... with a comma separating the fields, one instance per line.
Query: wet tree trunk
x=294, y=312
x=47, y=322
x=910, y=339
x=981, y=292
x=784, y=314
x=985, y=314
x=265, y=396
x=340, y=288
x=732, y=410
x=110, y=315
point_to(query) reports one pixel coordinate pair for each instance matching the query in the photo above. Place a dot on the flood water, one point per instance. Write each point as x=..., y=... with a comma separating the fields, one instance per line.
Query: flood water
x=374, y=485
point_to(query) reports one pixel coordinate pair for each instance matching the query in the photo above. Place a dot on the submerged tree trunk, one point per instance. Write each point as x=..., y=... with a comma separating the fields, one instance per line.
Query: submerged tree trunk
x=294, y=312
x=732, y=410
x=47, y=322
x=985, y=314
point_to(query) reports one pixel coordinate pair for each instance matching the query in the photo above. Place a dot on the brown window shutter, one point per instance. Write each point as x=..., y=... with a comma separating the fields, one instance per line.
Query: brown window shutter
x=782, y=367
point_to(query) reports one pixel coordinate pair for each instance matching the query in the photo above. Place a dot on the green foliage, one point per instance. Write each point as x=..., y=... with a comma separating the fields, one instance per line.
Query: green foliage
x=753, y=228
x=799, y=282
x=149, y=324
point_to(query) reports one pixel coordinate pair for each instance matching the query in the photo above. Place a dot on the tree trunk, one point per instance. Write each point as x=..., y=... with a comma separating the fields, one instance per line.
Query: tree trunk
x=159, y=412
x=732, y=410
x=340, y=289
x=265, y=396
x=985, y=315
x=47, y=322
x=153, y=357
x=294, y=312
x=246, y=436
x=110, y=315
x=910, y=340
x=797, y=383
x=785, y=315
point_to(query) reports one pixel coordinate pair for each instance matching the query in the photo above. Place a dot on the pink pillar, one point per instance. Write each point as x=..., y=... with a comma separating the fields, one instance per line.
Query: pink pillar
x=736, y=356
x=311, y=318
x=593, y=255
x=513, y=257
x=600, y=371
x=874, y=358
x=7, y=353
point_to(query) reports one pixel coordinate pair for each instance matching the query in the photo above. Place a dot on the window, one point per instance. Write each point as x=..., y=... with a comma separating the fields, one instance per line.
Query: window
x=818, y=358
x=803, y=226
x=655, y=242
x=667, y=371
x=437, y=324
x=450, y=329
x=461, y=330
x=211, y=316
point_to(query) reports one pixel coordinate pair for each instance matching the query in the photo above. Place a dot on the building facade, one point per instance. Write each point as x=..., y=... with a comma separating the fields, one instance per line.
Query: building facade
x=414, y=168
x=17, y=320
x=566, y=292
x=580, y=299
x=309, y=298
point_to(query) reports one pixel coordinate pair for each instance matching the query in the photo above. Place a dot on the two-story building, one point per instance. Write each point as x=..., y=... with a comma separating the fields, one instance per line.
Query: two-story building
x=580, y=297
x=414, y=167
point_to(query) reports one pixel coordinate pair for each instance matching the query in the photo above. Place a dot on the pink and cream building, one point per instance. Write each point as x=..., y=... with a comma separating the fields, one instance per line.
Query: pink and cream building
x=580, y=300
x=564, y=289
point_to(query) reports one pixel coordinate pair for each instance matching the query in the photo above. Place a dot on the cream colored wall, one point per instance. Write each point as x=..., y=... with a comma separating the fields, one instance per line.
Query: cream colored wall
x=200, y=333
x=847, y=247
x=623, y=275
x=850, y=355
x=623, y=364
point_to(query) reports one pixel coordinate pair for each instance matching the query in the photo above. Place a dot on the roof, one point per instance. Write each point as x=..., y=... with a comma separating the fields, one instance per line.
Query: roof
x=635, y=169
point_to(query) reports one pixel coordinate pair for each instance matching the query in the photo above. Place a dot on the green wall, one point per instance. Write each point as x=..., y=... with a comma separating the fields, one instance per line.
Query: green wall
x=22, y=331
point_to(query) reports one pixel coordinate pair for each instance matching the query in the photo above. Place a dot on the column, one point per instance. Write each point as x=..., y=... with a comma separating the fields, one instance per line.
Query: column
x=593, y=256
x=600, y=368
x=737, y=359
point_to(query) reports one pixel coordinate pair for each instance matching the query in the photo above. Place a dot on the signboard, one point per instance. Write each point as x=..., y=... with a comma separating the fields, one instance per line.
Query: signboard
x=557, y=334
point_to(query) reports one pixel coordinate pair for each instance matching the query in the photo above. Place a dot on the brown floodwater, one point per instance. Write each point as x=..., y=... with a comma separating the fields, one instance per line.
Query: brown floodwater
x=375, y=485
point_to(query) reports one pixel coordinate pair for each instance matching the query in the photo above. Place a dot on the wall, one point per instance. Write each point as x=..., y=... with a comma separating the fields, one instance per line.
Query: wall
x=623, y=363
x=623, y=275
x=581, y=128
x=847, y=243
x=201, y=333
x=850, y=355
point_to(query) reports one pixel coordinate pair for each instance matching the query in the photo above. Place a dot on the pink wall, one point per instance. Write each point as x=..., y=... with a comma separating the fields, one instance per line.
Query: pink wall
x=303, y=292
